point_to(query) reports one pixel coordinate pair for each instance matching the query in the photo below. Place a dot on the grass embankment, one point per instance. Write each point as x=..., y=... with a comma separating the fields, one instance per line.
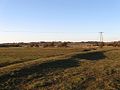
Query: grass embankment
x=90, y=70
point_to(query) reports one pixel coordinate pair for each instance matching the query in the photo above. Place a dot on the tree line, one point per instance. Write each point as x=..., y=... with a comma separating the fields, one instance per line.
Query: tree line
x=60, y=44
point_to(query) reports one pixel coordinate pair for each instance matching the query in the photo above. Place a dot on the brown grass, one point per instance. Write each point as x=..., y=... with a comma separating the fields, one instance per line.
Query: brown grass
x=88, y=70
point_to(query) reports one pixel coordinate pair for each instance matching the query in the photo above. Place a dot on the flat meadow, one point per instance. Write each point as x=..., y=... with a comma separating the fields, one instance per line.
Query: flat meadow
x=59, y=69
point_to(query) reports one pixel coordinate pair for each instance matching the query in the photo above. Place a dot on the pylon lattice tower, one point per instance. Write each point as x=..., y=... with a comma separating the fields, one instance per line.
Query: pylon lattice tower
x=101, y=36
x=101, y=40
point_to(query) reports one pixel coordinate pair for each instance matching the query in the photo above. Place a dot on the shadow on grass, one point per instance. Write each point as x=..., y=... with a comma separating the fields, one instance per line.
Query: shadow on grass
x=49, y=66
x=20, y=76
x=43, y=68
x=90, y=56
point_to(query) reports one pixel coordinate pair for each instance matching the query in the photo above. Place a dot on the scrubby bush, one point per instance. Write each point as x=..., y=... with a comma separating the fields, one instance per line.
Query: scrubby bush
x=64, y=44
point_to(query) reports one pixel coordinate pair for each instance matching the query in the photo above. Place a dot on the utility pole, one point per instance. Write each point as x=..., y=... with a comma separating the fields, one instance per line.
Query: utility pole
x=101, y=40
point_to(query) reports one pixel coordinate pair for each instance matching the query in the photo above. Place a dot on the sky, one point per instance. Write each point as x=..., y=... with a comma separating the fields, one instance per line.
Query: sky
x=59, y=20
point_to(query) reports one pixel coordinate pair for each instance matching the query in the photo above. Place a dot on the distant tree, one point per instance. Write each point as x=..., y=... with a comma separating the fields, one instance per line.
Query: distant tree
x=36, y=45
x=64, y=44
x=45, y=45
x=51, y=44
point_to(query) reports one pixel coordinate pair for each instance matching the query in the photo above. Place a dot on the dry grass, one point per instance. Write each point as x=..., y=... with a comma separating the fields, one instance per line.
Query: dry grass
x=89, y=70
x=17, y=55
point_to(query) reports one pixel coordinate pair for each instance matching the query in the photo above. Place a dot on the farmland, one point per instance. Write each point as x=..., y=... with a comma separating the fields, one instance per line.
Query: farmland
x=59, y=69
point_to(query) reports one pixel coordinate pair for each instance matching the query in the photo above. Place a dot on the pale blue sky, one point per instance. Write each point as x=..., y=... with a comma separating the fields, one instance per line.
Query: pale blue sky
x=66, y=20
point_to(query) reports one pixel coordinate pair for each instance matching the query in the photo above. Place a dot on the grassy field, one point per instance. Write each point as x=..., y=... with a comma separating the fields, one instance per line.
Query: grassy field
x=17, y=55
x=59, y=69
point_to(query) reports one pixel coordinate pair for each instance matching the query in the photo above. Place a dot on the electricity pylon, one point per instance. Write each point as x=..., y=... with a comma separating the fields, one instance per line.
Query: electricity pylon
x=101, y=36
x=101, y=40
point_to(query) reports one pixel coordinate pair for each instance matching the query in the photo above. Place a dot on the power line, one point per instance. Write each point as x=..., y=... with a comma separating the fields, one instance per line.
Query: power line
x=43, y=32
